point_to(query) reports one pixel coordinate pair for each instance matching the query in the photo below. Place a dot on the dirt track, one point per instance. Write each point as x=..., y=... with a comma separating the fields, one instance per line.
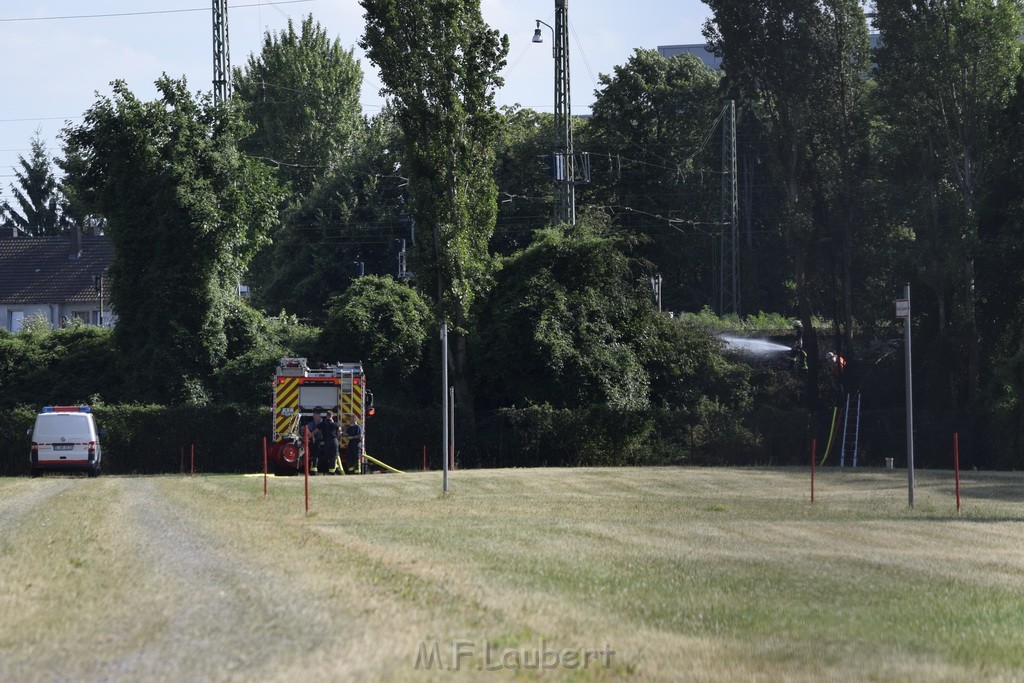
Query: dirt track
x=125, y=579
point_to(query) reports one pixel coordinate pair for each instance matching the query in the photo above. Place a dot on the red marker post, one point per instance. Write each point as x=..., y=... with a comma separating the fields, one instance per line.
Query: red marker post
x=305, y=465
x=181, y=469
x=956, y=467
x=192, y=461
x=814, y=455
x=264, y=467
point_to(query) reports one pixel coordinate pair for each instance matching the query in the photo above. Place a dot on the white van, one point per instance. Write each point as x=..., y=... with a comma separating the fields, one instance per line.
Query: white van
x=65, y=438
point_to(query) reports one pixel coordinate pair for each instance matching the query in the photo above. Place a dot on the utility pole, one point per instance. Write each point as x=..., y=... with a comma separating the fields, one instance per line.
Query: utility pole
x=728, y=271
x=221, y=55
x=903, y=311
x=444, y=407
x=566, y=199
x=563, y=165
x=97, y=281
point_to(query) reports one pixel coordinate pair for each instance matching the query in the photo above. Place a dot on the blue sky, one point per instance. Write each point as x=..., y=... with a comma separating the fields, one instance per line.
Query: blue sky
x=52, y=68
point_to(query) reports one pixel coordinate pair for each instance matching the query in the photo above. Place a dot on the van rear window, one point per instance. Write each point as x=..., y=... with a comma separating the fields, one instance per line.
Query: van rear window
x=55, y=425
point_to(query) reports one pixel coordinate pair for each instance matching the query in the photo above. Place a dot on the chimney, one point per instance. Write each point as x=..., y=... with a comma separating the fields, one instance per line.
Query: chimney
x=76, y=243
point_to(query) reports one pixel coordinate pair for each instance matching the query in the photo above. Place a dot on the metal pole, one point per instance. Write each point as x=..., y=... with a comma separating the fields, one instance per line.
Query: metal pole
x=814, y=455
x=910, y=403
x=444, y=406
x=221, y=55
x=856, y=433
x=451, y=427
x=566, y=189
x=956, y=467
x=728, y=272
x=305, y=465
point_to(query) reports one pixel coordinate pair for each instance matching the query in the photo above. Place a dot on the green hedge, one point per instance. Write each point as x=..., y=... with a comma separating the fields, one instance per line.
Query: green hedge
x=14, y=442
x=153, y=439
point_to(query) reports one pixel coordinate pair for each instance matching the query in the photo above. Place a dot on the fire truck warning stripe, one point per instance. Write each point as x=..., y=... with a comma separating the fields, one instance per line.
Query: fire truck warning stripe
x=357, y=399
x=287, y=424
x=288, y=392
x=286, y=396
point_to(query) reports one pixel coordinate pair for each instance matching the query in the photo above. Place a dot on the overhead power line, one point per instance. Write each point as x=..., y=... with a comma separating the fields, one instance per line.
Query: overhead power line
x=39, y=118
x=156, y=11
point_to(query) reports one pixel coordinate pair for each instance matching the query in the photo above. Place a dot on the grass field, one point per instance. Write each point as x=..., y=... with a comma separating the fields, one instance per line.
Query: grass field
x=594, y=574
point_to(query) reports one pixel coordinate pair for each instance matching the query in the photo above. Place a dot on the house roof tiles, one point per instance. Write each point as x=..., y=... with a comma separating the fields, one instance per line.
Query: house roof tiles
x=37, y=270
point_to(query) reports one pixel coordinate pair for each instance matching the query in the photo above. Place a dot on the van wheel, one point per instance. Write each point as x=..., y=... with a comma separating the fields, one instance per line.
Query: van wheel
x=35, y=472
x=94, y=472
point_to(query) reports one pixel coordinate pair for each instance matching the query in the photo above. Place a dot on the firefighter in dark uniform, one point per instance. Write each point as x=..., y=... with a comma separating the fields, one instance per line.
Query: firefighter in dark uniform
x=329, y=448
x=797, y=355
x=316, y=440
x=354, y=446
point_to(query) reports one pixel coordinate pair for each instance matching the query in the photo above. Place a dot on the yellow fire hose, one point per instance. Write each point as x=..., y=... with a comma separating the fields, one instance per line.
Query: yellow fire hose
x=384, y=465
x=831, y=433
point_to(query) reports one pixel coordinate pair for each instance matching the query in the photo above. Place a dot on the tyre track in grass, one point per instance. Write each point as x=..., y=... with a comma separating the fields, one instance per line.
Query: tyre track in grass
x=221, y=617
x=19, y=497
x=161, y=578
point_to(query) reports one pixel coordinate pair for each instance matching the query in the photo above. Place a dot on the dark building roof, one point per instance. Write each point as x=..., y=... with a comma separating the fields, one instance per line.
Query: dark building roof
x=701, y=52
x=713, y=61
x=46, y=270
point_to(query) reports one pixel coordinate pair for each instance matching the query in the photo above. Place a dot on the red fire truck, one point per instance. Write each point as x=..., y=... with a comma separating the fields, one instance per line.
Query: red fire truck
x=300, y=391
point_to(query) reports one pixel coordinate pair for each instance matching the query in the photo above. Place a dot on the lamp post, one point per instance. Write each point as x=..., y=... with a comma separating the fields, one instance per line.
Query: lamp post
x=97, y=281
x=563, y=167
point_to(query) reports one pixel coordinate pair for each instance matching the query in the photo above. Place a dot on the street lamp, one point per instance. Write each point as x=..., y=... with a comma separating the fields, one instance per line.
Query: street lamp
x=563, y=167
x=538, y=37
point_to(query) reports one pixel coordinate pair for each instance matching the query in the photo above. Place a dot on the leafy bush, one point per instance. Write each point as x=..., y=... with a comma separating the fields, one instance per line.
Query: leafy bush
x=381, y=322
x=297, y=338
x=245, y=328
x=759, y=323
x=14, y=442
x=63, y=366
x=248, y=378
x=561, y=324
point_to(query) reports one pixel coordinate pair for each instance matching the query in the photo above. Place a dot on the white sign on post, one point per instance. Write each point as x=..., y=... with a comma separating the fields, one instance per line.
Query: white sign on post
x=902, y=308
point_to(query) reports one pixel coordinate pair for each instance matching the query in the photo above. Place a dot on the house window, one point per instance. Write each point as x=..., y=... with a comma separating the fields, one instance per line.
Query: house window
x=87, y=317
x=15, y=320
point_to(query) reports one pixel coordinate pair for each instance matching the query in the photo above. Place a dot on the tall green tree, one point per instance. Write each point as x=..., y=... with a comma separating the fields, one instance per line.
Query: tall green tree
x=522, y=173
x=354, y=213
x=301, y=95
x=1001, y=284
x=185, y=212
x=649, y=164
x=805, y=64
x=947, y=70
x=36, y=194
x=439, y=60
